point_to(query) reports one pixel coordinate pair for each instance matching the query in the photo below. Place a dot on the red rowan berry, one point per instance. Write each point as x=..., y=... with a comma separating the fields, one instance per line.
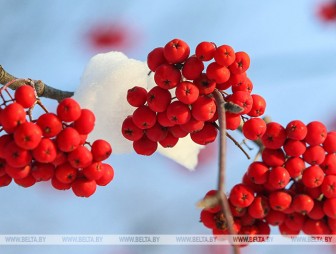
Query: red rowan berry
x=68, y=110
x=204, y=108
x=83, y=187
x=294, y=221
x=273, y=157
x=254, y=128
x=101, y=150
x=313, y=176
x=136, y=96
x=329, y=143
x=259, y=207
x=176, y=51
x=328, y=186
x=241, y=63
x=144, y=117
x=5, y=180
x=204, y=84
x=329, y=207
x=217, y=72
x=224, y=55
x=81, y=157
x=68, y=139
x=17, y=172
x=242, y=99
x=25, y=95
x=167, y=76
x=275, y=218
x=27, y=135
x=58, y=185
x=158, y=99
x=241, y=196
x=245, y=86
x=86, y=122
x=66, y=173
x=232, y=121
x=329, y=164
x=108, y=175
x=26, y=182
x=169, y=141
x=42, y=171
x=50, y=124
x=295, y=166
x=130, y=131
x=205, y=50
x=278, y=178
x=155, y=58
x=314, y=155
x=274, y=136
x=280, y=200
x=258, y=106
x=302, y=203
x=284, y=230
x=12, y=116
x=187, y=92
x=45, y=152
x=258, y=172
x=294, y=147
x=178, y=112
x=144, y=146
x=316, y=133
x=163, y=119
x=296, y=130
x=16, y=156
x=192, y=125
x=177, y=131
x=192, y=68
x=317, y=212
x=207, y=135
x=94, y=171
x=315, y=227
x=156, y=133
x=207, y=218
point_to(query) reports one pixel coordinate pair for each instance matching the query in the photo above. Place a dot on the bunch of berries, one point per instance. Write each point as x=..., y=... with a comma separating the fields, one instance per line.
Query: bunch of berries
x=292, y=187
x=327, y=11
x=51, y=148
x=182, y=102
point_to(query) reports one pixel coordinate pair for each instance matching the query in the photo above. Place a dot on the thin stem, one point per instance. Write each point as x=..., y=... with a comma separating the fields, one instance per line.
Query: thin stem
x=42, y=89
x=222, y=168
x=237, y=144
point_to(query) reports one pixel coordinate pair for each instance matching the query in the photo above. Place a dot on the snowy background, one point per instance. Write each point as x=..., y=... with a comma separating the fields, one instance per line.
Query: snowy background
x=293, y=63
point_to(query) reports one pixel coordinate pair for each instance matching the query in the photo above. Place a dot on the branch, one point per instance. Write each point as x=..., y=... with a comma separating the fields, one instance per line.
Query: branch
x=222, y=170
x=42, y=89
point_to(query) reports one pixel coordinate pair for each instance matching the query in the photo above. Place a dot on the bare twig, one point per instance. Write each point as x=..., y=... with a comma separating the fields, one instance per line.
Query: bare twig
x=222, y=168
x=42, y=89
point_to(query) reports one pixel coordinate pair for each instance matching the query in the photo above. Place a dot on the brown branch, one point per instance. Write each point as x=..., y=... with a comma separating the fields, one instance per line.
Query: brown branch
x=42, y=89
x=222, y=168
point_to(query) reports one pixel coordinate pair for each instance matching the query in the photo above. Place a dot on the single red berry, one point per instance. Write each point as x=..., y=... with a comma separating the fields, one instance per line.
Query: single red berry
x=217, y=72
x=302, y=203
x=328, y=186
x=187, y=92
x=275, y=218
x=25, y=95
x=205, y=136
x=241, y=63
x=156, y=133
x=155, y=58
x=294, y=147
x=295, y=166
x=278, y=178
x=274, y=136
x=224, y=55
x=205, y=50
x=169, y=141
x=167, y=76
x=163, y=119
x=86, y=122
x=42, y=171
x=81, y=157
x=144, y=146
x=329, y=143
x=45, y=152
x=329, y=207
x=313, y=176
x=12, y=116
x=207, y=218
x=158, y=99
x=280, y=200
x=68, y=110
x=83, y=187
x=27, y=135
x=258, y=172
x=100, y=150
x=204, y=84
x=16, y=156
x=204, y=108
x=296, y=130
x=50, y=124
x=245, y=84
x=68, y=139
x=93, y=171
x=273, y=157
x=295, y=221
x=4, y=140
x=108, y=175
x=317, y=212
x=284, y=230
x=329, y=164
x=315, y=227
x=258, y=106
x=316, y=133
x=242, y=99
x=130, y=131
x=17, y=172
x=176, y=51
x=26, y=182
x=259, y=207
x=58, y=185
x=144, y=117
x=66, y=173
x=136, y=96
x=314, y=155
x=241, y=196
x=232, y=120
x=5, y=180
x=254, y=128
x=192, y=68
x=178, y=112
x=177, y=131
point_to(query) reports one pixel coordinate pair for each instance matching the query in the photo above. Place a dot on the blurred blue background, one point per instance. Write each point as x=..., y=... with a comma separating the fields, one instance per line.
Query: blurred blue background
x=293, y=65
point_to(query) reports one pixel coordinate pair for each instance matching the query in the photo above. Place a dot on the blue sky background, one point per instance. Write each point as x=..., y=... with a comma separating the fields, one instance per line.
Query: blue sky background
x=293, y=63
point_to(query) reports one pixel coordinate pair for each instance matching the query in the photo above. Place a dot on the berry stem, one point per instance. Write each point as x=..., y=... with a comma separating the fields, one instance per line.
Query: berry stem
x=42, y=89
x=221, y=163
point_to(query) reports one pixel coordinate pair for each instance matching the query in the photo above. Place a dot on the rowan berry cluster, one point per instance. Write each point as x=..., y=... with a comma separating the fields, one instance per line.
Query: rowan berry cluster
x=327, y=11
x=292, y=187
x=53, y=147
x=182, y=102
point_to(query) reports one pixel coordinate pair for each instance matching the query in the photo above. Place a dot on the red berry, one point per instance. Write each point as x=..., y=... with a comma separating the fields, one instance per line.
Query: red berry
x=296, y=130
x=144, y=146
x=26, y=182
x=294, y=147
x=329, y=164
x=224, y=55
x=25, y=95
x=178, y=112
x=187, y=92
x=68, y=110
x=258, y=172
x=278, y=178
x=167, y=76
x=86, y=122
x=169, y=141
x=205, y=50
x=12, y=116
x=254, y=128
x=155, y=58
x=45, y=152
x=49, y=124
x=207, y=218
x=156, y=133
x=329, y=143
x=58, y=185
x=144, y=117
x=280, y=200
x=83, y=187
x=258, y=106
x=158, y=99
x=245, y=84
x=192, y=125
x=204, y=84
x=177, y=131
x=314, y=155
x=5, y=180
x=273, y=157
x=42, y=171
x=81, y=157
x=329, y=207
x=136, y=96
x=130, y=131
x=17, y=172
x=100, y=150
x=274, y=136
x=241, y=196
x=207, y=135
x=295, y=166
x=312, y=176
x=108, y=175
x=302, y=203
x=68, y=139
x=328, y=186
x=93, y=171
x=27, y=135
x=316, y=133
x=192, y=68
x=232, y=120
x=204, y=108
x=16, y=156
x=217, y=72
x=242, y=99
x=241, y=63
x=259, y=207
x=65, y=173
x=176, y=51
